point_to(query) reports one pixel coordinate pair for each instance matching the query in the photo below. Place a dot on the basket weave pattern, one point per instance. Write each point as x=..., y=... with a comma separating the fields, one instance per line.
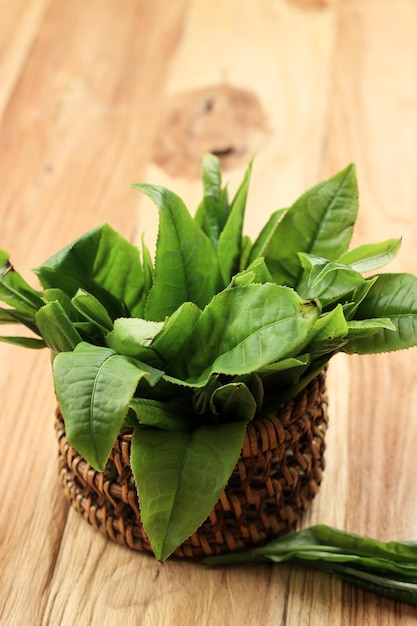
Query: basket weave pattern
x=277, y=475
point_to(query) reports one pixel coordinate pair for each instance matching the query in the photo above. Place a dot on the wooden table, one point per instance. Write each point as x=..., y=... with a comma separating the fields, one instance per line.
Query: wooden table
x=97, y=95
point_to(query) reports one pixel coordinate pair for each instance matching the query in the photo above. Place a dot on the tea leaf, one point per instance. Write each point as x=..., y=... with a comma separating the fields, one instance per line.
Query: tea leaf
x=15, y=291
x=388, y=569
x=327, y=281
x=261, y=245
x=174, y=335
x=56, y=328
x=233, y=402
x=358, y=329
x=392, y=296
x=320, y=223
x=102, y=263
x=12, y=316
x=256, y=272
x=213, y=210
x=94, y=387
x=260, y=324
x=358, y=295
x=283, y=374
x=133, y=337
x=147, y=267
x=92, y=310
x=371, y=256
x=58, y=295
x=329, y=333
x=164, y=415
x=25, y=342
x=185, y=261
x=230, y=241
x=180, y=477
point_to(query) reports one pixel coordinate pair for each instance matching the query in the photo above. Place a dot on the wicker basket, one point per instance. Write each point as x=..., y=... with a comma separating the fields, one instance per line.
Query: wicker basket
x=276, y=477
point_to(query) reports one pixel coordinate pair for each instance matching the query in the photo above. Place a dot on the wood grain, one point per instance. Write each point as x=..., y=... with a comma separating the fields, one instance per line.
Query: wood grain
x=91, y=95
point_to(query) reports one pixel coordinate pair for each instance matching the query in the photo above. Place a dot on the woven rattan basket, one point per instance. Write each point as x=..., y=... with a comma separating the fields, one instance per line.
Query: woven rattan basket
x=276, y=477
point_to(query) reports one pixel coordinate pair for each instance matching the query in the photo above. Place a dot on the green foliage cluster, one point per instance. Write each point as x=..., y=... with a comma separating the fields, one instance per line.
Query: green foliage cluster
x=386, y=568
x=189, y=347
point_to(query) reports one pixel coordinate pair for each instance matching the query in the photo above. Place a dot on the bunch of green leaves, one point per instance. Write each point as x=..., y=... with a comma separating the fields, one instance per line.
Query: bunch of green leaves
x=188, y=347
x=388, y=569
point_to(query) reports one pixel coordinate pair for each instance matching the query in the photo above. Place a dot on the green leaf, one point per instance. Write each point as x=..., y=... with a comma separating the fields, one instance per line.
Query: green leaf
x=388, y=569
x=255, y=385
x=104, y=264
x=320, y=223
x=256, y=272
x=245, y=328
x=329, y=333
x=285, y=372
x=164, y=415
x=133, y=337
x=358, y=329
x=261, y=245
x=7, y=316
x=174, y=335
x=25, y=342
x=92, y=310
x=358, y=295
x=392, y=296
x=180, y=477
x=281, y=393
x=15, y=291
x=281, y=378
x=325, y=542
x=12, y=316
x=245, y=252
x=4, y=259
x=185, y=261
x=56, y=328
x=327, y=281
x=55, y=294
x=233, y=402
x=147, y=268
x=213, y=210
x=229, y=249
x=94, y=387
x=202, y=396
x=370, y=257
x=90, y=332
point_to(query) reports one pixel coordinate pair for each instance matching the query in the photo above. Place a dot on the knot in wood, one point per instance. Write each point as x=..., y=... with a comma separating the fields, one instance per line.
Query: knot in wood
x=221, y=119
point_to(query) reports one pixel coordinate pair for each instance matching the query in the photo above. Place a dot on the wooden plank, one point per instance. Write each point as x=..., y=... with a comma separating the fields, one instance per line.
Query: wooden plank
x=80, y=127
x=74, y=133
x=33, y=513
x=373, y=122
x=20, y=23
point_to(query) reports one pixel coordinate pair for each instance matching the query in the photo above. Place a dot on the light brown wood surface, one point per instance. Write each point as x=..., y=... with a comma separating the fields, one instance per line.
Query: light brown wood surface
x=97, y=95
